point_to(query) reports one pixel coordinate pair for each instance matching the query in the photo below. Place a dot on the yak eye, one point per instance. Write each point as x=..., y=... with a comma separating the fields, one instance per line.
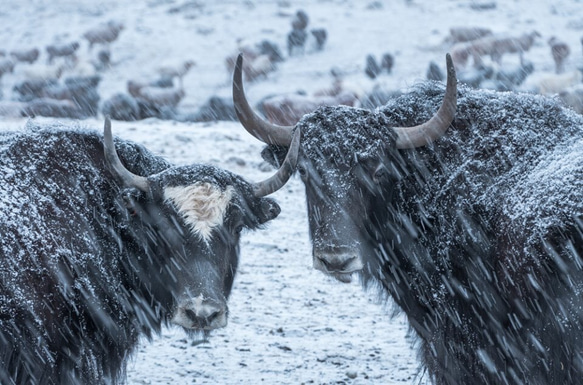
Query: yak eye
x=238, y=229
x=302, y=171
x=379, y=174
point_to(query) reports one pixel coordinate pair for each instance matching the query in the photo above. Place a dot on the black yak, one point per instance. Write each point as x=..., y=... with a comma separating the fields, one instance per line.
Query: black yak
x=100, y=246
x=469, y=218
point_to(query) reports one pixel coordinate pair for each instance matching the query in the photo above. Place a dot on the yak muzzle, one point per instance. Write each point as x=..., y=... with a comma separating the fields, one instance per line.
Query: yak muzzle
x=339, y=265
x=200, y=314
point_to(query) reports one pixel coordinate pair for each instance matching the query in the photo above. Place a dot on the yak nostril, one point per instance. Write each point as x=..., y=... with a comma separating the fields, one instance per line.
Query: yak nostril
x=190, y=314
x=344, y=266
x=325, y=263
x=211, y=317
x=275, y=211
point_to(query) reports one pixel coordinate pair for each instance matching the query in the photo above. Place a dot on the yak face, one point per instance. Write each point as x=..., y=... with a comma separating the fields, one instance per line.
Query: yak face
x=349, y=182
x=191, y=219
x=347, y=176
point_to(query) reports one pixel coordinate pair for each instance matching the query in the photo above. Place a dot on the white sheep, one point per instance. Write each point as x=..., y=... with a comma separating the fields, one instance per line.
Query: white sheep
x=555, y=83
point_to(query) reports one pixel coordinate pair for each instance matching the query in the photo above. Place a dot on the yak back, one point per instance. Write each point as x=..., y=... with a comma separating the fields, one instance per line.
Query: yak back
x=514, y=161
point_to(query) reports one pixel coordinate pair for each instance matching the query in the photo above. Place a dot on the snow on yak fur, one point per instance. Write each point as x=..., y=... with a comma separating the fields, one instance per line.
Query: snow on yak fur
x=88, y=265
x=478, y=236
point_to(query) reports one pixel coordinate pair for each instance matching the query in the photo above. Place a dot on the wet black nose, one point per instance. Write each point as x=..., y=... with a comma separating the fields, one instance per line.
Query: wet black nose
x=201, y=315
x=337, y=265
x=205, y=318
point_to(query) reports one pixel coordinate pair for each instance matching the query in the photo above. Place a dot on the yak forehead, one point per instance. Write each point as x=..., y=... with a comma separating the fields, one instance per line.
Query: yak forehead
x=203, y=205
x=191, y=174
x=344, y=134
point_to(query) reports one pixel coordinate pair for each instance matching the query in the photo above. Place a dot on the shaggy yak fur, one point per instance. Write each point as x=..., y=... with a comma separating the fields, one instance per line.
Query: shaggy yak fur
x=477, y=237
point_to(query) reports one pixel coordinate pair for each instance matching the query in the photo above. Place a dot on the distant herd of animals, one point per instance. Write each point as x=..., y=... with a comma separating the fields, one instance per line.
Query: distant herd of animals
x=462, y=205
x=68, y=86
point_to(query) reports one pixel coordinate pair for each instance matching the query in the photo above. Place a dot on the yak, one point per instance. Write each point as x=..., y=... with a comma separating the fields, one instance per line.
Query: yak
x=469, y=218
x=103, y=245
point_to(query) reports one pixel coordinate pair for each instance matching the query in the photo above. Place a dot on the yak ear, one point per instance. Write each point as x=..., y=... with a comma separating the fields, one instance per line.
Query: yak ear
x=269, y=210
x=274, y=155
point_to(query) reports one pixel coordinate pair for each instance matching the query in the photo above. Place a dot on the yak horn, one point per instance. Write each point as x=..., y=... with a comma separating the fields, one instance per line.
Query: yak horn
x=128, y=178
x=255, y=125
x=286, y=170
x=434, y=128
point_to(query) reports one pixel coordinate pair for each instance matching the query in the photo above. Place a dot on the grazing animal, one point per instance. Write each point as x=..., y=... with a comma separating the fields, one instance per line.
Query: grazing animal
x=103, y=61
x=508, y=78
x=26, y=56
x=104, y=34
x=44, y=72
x=62, y=50
x=121, y=107
x=162, y=97
x=6, y=66
x=271, y=49
x=434, y=72
x=465, y=34
x=259, y=61
x=178, y=71
x=470, y=218
x=494, y=46
x=296, y=42
x=550, y=84
x=560, y=51
x=300, y=20
x=387, y=62
x=55, y=108
x=57, y=97
x=320, y=36
x=288, y=109
x=214, y=109
x=573, y=98
x=33, y=89
x=371, y=67
x=101, y=246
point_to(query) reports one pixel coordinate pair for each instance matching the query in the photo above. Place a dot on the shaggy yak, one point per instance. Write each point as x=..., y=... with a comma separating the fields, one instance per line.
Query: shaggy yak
x=469, y=218
x=98, y=249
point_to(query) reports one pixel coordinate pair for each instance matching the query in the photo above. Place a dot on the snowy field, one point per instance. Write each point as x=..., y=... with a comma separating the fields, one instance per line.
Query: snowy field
x=288, y=324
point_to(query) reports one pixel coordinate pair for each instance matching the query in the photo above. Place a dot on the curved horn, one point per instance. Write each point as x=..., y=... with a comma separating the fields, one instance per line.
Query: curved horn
x=434, y=128
x=286, y=170
x=255, y=125
x=129, y=179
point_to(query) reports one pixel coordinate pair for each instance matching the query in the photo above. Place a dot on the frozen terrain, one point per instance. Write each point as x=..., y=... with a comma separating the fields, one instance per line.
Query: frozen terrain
x=288, y=324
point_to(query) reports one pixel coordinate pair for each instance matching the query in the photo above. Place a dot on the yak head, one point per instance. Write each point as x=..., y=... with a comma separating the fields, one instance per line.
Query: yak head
x=349, y=161
x=188, y=220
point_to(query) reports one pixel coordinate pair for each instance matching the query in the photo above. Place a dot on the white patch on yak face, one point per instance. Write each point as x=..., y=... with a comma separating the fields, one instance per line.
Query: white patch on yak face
x=202, y=205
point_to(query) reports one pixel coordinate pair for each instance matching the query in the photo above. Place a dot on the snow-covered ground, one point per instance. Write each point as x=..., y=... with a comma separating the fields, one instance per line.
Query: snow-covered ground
x=288, y=324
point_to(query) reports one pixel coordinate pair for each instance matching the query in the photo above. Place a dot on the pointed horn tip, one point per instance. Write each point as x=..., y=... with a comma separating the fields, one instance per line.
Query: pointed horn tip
x=450, y=66
x=107, y=127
